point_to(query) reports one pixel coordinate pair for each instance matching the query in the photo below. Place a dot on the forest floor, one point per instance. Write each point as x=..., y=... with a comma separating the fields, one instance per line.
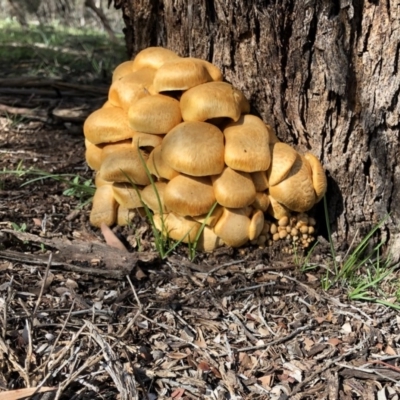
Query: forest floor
x=82, y=320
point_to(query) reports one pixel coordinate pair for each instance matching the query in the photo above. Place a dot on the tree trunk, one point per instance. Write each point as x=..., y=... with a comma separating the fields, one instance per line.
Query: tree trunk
x=324, y=74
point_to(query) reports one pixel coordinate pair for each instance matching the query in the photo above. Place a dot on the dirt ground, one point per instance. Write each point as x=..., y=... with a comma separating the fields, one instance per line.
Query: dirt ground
x=83, y=320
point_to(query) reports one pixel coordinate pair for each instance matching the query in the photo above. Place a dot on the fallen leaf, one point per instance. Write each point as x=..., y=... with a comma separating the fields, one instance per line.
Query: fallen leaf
x=390, y=351
x=37, y=221
x=265, y=381
x=204, y=366
x=311, y=278
x=308, y=343
x=346, y=327
x=111, y=239
x=178, y=393
x=334, y=341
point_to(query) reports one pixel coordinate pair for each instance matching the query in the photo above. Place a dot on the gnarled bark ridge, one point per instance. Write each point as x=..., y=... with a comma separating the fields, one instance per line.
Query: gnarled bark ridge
x=324, y=74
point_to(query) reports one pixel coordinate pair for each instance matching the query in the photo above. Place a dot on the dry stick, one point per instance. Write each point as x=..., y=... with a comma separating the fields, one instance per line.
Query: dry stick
x=46, y=274
x=211, y=271
x=29, y=353
x=58, y=336
x=249, y=335
x=139, y=311
x=326, y=366
x=368, y=371
x=13, y=359
x=5, y=309
x=277, y=341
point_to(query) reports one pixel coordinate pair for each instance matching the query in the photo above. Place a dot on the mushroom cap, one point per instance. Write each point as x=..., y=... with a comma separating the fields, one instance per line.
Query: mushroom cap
x=140, y=139
x=318, y=176
x=126, y=91
x=156, y=114
x=149, y=196
x=213, y=100
x=261, y=202
x=296, y=191
x=116, y=147
x=213, y=70
x=153, y=57
x=276, y=209
x=93, y=155
x=247, y=144
x=260, y=180
x=194, y=148
x=177, y=227
x=158, y=167
x=125, y=166
x=233, y=227
x=181, y=74
x=234, y=189
x=122, y=69
x=104, y=206
x=98, y=181
x=107, y=125
x=208, y=240
x=125, y=216
x=126, y=195
x=210, y=220
x=282, y=159
x=256, y=225
x=189, y=196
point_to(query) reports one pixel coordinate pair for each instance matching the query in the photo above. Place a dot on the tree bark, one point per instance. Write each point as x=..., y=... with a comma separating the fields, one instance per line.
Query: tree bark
x=323, y=73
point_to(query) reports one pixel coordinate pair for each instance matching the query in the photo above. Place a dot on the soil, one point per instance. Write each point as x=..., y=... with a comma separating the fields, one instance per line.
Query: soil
x=89, y=321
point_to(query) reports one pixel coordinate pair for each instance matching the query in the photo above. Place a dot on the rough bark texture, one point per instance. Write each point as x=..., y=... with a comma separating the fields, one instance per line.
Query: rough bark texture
x=323, y=73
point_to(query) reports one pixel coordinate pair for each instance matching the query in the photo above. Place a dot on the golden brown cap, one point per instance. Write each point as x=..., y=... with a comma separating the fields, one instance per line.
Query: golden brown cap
x=177, y=227
x=233, y=227
x=140, y=139
x=213, y=70
x=153, y=57
x=261, y=202
x=149, y=196
x=256, y=225
x=126, y=91
x=260, y=180
x=213, y=100
x=194, y=148
x=296, y=191
x=158, y=167
x=125, y=166
x=156, y=114
x=210, y=220
x=181, y=74
x=276, y=209
x=93, y=155
x=107, y=125
x=282, y=158
x=247, y=145
x=318, y=176
x=233, y=189
x=125, y=216
x=126, y=195
x=122, y=69
x=208, y=240
x=189, y=196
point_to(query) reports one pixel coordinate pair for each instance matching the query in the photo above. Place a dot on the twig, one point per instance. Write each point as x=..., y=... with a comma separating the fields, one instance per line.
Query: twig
x=245, y=289
x=368, y=371
x=277, y=341
x=211, y=271
x=138, y=312
x=46, y=274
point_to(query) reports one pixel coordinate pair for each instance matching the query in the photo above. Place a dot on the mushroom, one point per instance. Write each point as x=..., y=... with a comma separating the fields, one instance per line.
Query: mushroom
x=158, y=167
x=140, y=139
x=256, y=225
x=296, y=191
x=122, y=69
x=189, y=196
x=247, y=144
x=126, y=91
x=181, y=74
x=214, y=71
x=261, y=202
x=208, y=240
x=194, y=148
x=210, y=219
x=153, y=197
x=282, y=158
x=110, y=148
x=234, y=189
x=107, y=125
x=156, y=114
x=213, y=100
x=127, y=195
x=153, y=57
x=93, y=155
x=125, y=216
x=260, y=180
x=233, y=227
x=177, y=227
x=276, y=209
x=318, y=176
x=125, y=166
x=104, y=206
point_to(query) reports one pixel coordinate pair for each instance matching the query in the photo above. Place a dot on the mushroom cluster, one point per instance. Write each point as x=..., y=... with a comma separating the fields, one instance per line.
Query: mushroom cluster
x=175, y=137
